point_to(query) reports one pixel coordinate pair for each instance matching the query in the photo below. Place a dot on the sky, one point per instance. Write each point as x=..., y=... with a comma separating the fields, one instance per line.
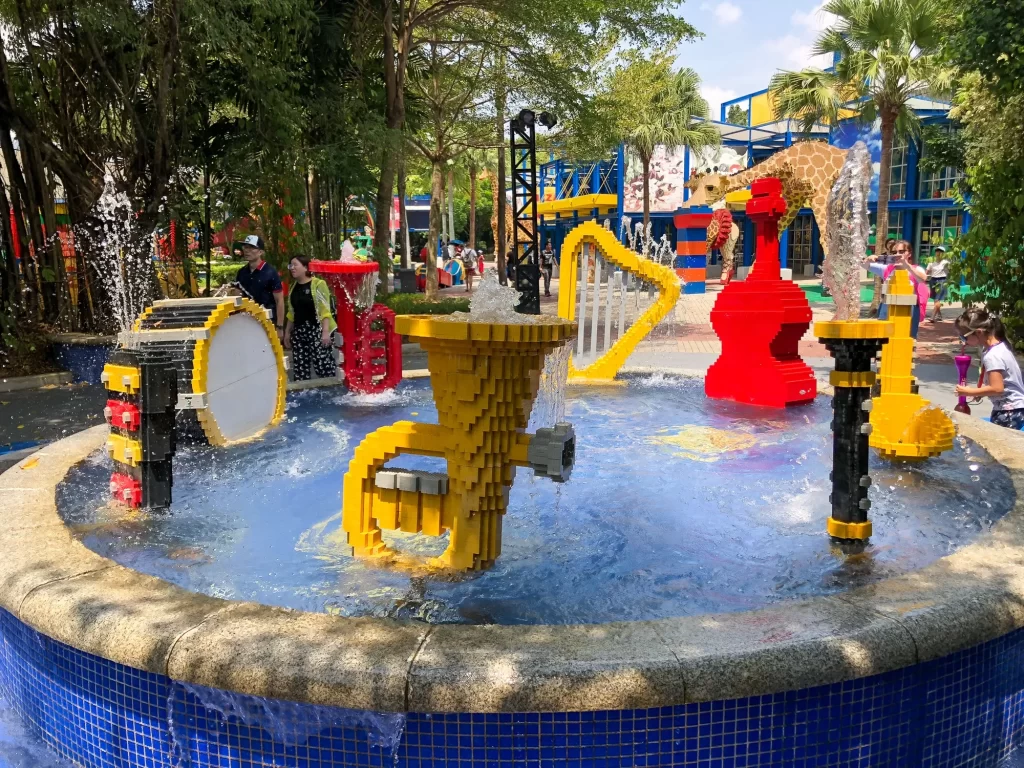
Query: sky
x=746, y=41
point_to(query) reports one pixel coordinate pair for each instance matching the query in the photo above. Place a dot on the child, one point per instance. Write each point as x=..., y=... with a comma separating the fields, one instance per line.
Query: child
x=1000, y=371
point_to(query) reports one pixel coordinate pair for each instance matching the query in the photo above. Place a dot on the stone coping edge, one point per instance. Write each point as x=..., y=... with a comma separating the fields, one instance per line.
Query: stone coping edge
x=53, y=583
x=18, y=383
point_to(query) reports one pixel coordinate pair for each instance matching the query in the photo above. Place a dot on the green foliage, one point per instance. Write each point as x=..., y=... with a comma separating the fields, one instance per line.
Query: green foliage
x=993, y=247
x=946, y=149
x=736, y=115
x=223, y=273
x=988, y=38
x=419, y=304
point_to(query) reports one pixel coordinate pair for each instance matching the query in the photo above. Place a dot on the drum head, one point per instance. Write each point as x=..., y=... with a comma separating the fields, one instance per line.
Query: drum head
x=242, y=378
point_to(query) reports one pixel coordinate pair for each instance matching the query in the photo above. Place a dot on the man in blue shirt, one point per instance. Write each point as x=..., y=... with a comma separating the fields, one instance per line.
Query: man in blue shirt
x=260, y=281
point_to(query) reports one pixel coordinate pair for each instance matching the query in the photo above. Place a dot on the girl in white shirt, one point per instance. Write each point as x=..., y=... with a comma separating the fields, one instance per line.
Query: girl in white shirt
x=1001, y=377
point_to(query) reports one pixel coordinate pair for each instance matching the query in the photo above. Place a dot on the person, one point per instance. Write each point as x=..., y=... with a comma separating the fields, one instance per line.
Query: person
x=904, y=260
x=547, y=263
x=423, y=254
x=887, y=257
x=310, y=323
x=469, y=263
x=1000, y=373
x=938, y=273
x=260, y=281
x=480, y=259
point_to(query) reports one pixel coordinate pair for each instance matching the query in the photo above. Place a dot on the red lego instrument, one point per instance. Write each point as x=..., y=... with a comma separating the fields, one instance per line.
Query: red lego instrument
x=761, y=320
x=371, y=350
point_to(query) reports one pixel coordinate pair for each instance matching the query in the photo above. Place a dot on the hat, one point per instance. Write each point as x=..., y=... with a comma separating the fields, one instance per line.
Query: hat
x=254, y=241
x=939, y=248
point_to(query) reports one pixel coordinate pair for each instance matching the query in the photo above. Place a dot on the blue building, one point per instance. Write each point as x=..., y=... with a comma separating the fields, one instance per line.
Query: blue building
x=921, y=207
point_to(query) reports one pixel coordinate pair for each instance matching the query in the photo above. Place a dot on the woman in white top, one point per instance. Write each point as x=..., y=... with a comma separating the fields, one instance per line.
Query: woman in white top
x=938, y=272
x=1001, y=379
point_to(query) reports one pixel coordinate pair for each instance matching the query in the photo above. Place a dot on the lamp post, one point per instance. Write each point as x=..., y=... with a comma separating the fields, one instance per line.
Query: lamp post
x=525, y=247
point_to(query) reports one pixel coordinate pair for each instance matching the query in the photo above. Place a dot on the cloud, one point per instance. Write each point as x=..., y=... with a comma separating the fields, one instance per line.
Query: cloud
x=814, y=20
x=727, y=13
x=715, y=95
x=793, y=50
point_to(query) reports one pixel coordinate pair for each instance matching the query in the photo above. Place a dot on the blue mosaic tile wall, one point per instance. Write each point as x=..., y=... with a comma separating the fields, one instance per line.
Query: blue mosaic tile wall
x=963, y=710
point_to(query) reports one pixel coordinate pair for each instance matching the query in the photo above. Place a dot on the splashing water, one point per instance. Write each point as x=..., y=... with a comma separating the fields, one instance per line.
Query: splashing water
x=123, y=261
x=549, y=408
x=494, y=303
x=848, y=228
x=288, y=723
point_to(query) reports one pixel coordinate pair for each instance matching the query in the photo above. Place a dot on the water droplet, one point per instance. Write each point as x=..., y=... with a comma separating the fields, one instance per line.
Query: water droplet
x=974, y=467
x=975, y=478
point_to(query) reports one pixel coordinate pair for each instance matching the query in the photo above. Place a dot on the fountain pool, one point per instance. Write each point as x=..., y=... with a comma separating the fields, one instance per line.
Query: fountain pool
x=714, y=653
x=678, y=505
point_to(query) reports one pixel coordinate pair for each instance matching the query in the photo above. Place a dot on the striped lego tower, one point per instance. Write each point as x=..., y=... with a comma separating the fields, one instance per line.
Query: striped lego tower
x=691, y=248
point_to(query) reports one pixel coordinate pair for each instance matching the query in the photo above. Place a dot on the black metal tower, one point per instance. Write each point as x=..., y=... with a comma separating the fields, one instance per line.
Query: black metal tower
x=522, y=135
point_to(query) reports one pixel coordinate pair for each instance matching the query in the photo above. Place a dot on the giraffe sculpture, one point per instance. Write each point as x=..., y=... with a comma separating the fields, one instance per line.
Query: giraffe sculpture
x=808, y=169
x=509, y=215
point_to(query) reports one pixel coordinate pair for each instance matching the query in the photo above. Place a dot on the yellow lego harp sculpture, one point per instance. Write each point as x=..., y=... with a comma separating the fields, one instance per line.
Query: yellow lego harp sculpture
x=606, y=302
x=484, y=378
x=904, y=425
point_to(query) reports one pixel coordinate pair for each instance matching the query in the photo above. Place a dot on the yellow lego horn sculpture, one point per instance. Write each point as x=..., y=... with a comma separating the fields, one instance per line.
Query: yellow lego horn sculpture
x=592, y=234
x=484, y=378
x=905, y=425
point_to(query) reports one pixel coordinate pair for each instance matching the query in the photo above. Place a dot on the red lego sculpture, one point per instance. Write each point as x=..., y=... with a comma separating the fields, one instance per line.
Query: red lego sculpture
x=761, y=320
x=371, y=350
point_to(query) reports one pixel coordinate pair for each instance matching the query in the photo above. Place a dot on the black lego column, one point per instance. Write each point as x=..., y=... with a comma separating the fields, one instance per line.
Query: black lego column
x=157, y=402
x=853, y=345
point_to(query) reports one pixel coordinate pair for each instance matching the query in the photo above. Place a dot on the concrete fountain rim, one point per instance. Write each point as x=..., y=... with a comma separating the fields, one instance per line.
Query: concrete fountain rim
x=56, y=585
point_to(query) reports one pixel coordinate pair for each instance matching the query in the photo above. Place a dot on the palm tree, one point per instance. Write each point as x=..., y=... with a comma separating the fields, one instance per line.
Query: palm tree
x=886, y=55
x=655, y=106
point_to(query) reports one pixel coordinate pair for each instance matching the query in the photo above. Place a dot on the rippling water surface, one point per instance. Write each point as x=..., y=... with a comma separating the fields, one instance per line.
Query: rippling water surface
x=678, y=505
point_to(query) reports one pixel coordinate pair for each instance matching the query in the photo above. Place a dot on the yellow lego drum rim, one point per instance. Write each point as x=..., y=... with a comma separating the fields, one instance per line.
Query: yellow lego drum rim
x=51, y=581
x=239, y=399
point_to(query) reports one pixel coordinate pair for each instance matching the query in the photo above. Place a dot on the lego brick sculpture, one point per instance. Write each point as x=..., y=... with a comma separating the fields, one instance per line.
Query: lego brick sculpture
x=854, y=345
x=142, y=392
x=371, y=351
x=484, y=377
x=807, y=170
x=592, y=234
x=199, y=370
x=692, y=248
x=761, y=321
x=905, y=425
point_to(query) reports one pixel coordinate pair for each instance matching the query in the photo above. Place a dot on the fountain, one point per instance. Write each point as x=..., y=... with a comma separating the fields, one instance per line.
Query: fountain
x=671, y=602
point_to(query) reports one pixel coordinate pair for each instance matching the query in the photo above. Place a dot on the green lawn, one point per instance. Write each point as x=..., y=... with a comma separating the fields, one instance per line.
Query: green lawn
x=814, y=294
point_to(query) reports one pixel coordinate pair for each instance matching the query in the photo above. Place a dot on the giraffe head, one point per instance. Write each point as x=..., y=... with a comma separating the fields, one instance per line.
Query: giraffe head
x=706, y=189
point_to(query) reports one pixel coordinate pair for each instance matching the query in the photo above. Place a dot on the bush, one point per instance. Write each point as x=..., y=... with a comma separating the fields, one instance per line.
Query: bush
x=224, y=272
x=418, y=304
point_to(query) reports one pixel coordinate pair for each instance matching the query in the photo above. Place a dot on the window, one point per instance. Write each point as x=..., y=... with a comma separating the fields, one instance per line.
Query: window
x=801, y=232
x=898, y=173
x=935, y=227
x=938, y=185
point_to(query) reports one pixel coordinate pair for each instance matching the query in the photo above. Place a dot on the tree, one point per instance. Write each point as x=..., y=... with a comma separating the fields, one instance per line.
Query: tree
x=448, y=92
x=736, y=115
x=654, y=106
x=527, y=35
x=987, y=44
x=887, y=55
